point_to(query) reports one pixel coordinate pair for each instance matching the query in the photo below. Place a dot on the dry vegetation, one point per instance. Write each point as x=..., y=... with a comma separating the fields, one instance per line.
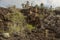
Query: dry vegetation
x=29, y=23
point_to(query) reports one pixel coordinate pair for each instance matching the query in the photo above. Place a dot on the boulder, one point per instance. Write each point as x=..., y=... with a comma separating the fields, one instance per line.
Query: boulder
x=6, y=35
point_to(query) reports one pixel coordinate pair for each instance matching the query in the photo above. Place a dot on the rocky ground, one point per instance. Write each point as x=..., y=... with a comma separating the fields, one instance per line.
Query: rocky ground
x=47, y=26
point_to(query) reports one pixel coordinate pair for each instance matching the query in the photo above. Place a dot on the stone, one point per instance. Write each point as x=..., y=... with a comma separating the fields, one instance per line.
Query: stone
x=6, y=35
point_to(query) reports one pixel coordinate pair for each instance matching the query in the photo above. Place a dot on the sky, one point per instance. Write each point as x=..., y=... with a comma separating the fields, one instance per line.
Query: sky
x=7, y=3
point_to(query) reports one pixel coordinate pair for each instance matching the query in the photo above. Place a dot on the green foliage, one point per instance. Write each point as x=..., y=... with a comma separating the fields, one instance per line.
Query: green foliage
x=17, y=19
x=30, y=27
